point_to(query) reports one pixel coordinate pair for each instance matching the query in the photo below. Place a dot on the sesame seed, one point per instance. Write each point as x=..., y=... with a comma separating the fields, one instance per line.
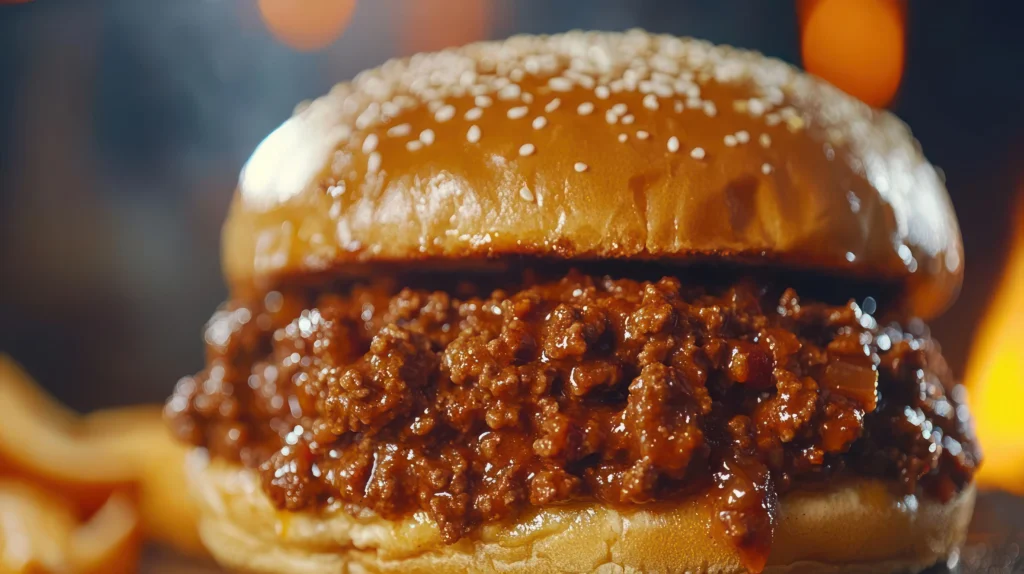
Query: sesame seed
x=740, y=106
x=373, y=163
x=517, y=112
x=525, y=193
x=673, y=144
x=473, y=135
x=756, y=107
x=510, y=92
x=401, y=130
x=854, y=201
x=527, y=149
x=585, y=108
x=445, y=113
x=552, y=105
x=628, y=119
x=370, y=143
x=671, y=73
x=642, y=135
x=560, y=84
x=743, y=136
x=766, y=168
x=363, y=121
x=580, y=167
x=697, y=153
x=730, y=140
x=539, y=122
x=427, y=136
x=473, y=114
x=414, y=145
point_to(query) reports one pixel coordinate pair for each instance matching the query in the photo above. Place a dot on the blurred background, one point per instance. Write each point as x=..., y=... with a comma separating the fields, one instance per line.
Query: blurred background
x=124, y=123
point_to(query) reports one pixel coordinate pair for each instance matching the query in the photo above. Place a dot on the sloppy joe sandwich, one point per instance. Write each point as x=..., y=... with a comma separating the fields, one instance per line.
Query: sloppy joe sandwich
x=587, y=302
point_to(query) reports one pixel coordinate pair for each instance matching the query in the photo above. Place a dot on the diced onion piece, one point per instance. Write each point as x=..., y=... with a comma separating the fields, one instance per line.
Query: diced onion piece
x=853, y=381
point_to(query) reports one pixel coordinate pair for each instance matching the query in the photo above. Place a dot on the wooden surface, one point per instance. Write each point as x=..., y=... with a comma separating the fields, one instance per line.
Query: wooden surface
x=993, y=546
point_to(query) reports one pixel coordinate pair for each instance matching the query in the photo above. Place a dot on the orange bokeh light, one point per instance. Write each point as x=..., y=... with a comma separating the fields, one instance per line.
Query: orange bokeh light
x=858, y=45
x=306, y=25
x=430, y=25
x=995, y=377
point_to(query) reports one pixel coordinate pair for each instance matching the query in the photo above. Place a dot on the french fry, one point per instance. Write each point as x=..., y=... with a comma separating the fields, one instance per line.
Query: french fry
x=40, y=533
x=40, y=438
x=128, y=451
x=34, y=530
x=109, y=542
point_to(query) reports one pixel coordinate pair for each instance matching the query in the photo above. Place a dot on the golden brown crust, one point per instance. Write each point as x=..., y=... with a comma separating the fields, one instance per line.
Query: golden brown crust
x=856, y=527
x=659, y=147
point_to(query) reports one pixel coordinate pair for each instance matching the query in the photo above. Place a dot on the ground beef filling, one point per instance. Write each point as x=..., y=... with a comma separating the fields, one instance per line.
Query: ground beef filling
x=472, y=408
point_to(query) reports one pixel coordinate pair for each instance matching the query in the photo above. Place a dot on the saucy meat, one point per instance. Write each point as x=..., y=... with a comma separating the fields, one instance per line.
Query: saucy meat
x=472, y=406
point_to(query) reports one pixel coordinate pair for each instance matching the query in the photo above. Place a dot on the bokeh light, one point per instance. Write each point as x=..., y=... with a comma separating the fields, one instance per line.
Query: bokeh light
x=430, y=25
x=306, y=25
x=995, y=377
x=858, y=45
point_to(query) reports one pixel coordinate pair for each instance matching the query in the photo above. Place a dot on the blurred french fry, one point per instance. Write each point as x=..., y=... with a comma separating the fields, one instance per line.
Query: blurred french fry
x=169, y=514
x=41, y=439
x=128, y=451
x=34, y=528
x=40, y=533
x=109, y=542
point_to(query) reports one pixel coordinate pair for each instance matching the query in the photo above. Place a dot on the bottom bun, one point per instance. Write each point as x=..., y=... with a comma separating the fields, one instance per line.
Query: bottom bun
x=859, y=526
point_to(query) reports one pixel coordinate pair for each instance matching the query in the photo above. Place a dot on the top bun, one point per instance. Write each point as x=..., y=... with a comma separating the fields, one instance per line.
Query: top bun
x=594, y=145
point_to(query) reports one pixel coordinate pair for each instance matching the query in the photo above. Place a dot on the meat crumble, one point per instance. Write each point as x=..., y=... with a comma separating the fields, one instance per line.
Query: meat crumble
x=473, y=406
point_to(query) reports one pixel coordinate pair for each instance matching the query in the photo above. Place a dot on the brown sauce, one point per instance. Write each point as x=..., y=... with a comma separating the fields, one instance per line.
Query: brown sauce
x=473, y=406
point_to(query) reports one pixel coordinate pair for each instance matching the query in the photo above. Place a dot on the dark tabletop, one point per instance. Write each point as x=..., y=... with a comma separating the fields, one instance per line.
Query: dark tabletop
x=996, y=536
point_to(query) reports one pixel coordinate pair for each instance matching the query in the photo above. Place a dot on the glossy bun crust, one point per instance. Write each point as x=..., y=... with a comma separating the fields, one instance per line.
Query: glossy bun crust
x=593, y=145
x=855, y=527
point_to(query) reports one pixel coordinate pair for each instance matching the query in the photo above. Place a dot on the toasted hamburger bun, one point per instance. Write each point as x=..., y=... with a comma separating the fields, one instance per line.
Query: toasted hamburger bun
x=856, y=526
x=593, y=146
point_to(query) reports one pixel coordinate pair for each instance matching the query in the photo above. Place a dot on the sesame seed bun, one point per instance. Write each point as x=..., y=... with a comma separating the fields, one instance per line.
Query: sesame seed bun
x=593, y=146
x=857, y=526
